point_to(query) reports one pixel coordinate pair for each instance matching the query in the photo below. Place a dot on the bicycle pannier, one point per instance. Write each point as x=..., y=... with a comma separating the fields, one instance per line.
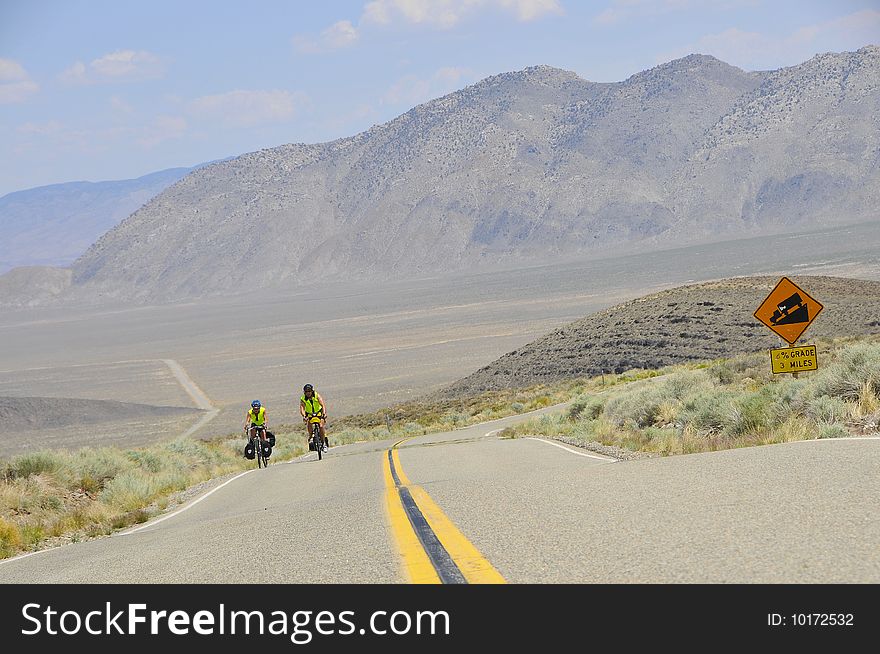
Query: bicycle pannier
x=249, y=451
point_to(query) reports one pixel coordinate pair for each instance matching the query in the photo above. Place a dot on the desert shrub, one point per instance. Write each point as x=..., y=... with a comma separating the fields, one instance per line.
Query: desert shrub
x=148, y=460
x=94, y=467
x=792, y=395
x=856, y=367
x=586, y=407
x=32, y=534
x=869, y=400
x=795, y=427
x=667, y=413
x=723, y=373
x=638, y=406
x=709, y=410
x=828, y=409
x=833, y=430
x=133, y=517
x=750, y=414
x=665, y=442
x=31, y=496
x=540, y=402
x=10, y=538
x=26, y=465
x=606, y=432
x=191, y=452
x=684, y=384
x=135, y=489
x=455, y=419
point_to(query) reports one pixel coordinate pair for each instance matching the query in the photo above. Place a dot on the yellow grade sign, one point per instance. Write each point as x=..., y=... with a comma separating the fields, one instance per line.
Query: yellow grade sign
x=794, y=359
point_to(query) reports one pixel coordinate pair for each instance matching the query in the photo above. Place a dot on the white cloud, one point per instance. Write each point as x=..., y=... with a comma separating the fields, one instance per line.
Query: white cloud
x=440, y=14
x=411, y=90
x=764, y=51
x=621, y=10
x=120, y=108
x=16, y=86
x=11, y=71
x=339, y=35
x=528, y=10
x=164, y=128
x=43, y=129
x=127, y=64
x=17, y=92
x=448, y=13
x=862, y=26
x=76, y=74
x=247, y=108
x=121, y=66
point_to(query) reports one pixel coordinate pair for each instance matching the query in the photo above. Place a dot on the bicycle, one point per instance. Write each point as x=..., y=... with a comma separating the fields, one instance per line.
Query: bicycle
x=257, y=444
x=315, y=441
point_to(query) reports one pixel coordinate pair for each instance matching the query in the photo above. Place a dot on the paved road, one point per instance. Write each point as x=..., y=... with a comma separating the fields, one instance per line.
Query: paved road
x=537, y=511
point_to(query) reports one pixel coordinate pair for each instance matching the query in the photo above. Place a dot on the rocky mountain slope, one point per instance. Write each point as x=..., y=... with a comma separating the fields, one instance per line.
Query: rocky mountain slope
x=53, y=225
x=526, y=166
x=690, y=323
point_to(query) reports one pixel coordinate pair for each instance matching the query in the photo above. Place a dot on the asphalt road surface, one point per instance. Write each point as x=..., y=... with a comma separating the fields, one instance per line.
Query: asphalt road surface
x=514, y=510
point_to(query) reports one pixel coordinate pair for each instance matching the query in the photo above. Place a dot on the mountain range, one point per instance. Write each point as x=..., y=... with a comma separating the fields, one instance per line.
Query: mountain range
x=523, y=167
x=53, y=225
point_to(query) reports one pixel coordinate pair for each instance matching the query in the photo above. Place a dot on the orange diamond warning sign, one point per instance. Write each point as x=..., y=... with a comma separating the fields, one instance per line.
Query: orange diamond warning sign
x=788, y=310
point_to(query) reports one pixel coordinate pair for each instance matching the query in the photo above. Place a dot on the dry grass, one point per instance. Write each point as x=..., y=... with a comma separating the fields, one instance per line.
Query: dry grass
x=729, y=403
x=47, y=497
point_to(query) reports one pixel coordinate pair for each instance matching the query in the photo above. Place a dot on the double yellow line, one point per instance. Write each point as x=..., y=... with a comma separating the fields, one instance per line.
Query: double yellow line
x=434, y=551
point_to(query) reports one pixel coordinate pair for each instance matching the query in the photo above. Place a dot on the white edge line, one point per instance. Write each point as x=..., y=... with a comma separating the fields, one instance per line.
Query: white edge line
x=24, y=556
x=154, y=522
x=830, y=440
x=185, y=507
x=607, y=459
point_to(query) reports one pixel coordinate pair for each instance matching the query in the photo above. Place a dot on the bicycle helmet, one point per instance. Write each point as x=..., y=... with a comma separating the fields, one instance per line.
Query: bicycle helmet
x=308, y=387
x=255, y=404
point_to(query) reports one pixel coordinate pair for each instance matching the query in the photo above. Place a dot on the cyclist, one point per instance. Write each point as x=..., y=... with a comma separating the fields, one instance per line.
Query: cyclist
x=256, y=420
x=311, y=403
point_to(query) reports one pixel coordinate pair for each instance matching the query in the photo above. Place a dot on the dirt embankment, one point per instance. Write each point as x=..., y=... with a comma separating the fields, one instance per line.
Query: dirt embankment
x=29, y=413
x=690, y=323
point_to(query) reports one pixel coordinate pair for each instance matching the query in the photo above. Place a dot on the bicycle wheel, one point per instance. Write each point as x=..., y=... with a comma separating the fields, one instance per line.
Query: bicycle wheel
x=316, y=439
x=258, y=451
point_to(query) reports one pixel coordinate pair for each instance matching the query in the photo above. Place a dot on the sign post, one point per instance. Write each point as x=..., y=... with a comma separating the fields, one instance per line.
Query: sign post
x=788, y=310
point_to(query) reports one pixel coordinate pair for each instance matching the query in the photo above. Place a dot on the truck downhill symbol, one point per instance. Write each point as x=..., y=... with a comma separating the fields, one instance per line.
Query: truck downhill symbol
x=789, y=311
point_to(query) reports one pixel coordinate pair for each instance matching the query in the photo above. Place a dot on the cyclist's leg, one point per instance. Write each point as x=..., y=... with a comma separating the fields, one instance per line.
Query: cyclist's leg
x=324, y=433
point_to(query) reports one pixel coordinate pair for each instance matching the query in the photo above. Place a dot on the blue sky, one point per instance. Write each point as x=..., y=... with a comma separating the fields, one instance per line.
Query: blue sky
x=95, y=90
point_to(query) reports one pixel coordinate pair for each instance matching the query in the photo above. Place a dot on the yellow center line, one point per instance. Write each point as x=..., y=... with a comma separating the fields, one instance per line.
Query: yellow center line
x=475, y=568
x=416, y=563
